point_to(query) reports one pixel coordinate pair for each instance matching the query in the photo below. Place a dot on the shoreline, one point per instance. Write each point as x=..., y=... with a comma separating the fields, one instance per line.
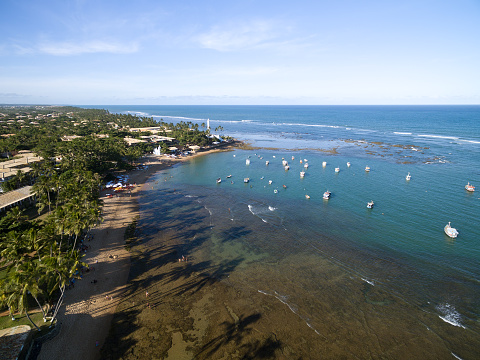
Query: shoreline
x=88, y=308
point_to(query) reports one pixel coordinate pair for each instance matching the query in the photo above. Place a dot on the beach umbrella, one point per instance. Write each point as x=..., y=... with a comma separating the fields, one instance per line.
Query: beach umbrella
x=194, y=147
x=172, y=148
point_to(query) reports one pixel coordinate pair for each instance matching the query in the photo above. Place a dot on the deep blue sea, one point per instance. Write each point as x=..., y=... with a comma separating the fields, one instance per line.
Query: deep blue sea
x=316, y=255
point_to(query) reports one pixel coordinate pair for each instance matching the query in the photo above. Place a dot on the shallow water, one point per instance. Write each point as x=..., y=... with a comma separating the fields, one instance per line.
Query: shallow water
x=391, y=266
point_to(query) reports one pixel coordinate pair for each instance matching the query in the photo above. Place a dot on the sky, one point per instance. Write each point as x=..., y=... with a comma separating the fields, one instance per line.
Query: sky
x=156, y=52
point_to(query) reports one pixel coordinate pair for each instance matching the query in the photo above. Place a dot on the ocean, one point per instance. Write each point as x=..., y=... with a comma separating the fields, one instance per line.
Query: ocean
x=375, y=274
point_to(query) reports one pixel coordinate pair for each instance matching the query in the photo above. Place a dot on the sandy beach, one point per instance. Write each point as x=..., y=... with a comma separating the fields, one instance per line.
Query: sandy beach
x=88, y=308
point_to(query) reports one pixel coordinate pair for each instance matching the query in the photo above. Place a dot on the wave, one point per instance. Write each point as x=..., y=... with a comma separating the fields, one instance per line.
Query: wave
x=178, y=117
x=402, y=133
x=450, y=315
x=266, y=213
x=293, y=308
x=438, y=137
x=470, y=141
x=368, y=281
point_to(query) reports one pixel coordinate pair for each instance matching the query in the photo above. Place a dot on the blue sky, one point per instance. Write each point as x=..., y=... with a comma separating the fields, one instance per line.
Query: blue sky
x=240, y=52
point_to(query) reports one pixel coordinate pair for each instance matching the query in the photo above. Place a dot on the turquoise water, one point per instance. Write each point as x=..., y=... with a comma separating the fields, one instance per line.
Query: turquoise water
x=395, y=256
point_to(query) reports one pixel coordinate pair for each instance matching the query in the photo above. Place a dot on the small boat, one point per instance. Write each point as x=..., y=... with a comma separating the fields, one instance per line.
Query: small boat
x=293, y=157
x=302, y=174
x=367, y=168
x=229, y=176
x=275, y=191
x=284, y=162
x=270, y=182
x=337, y=170
x=219, y=181
x=284, y=186
x=301, y=161
x=469, y=187
x=287, y=167
x=307, y=196
x=247, y=162
x=262, y=177
x=370, y=204
x=408, y=177
x=348, y=164
x=324, y=163
x=267, y=162
x=450, y=231
x=246, y=180
x=305, y=166
x=326, y=195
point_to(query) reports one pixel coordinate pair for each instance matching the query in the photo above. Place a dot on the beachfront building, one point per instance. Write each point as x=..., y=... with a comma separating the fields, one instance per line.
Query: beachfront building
x=18, y=197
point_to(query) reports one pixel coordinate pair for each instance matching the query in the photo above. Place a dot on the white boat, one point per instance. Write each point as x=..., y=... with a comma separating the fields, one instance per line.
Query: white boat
x=469, y=187
x=337, y=170
x=229, y=176
x=370, y=204
x=246, y=180
x=450, y=231
x=275, y=191
x=302, y=174
x=324, y=163
x=305, y=166
x=284, y=162
x=270, y=182
x=348, y=164
x=367, y=168
x=307, y=196
x=293, y=157
x=287, y=167
x=326, y=195
x=219, y=181
x=408, y=177
x=247, y=161
x=267, y=162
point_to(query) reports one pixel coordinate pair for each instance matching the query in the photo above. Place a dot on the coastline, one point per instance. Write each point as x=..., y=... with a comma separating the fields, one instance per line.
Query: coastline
x=88, y=308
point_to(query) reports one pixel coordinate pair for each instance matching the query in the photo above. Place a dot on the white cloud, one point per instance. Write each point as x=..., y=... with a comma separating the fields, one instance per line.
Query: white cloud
x=97, y=46
x=239, y=37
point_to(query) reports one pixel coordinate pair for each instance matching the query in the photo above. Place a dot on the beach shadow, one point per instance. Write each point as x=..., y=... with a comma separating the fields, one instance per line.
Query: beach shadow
x=236, y=335
x=234, y=232
x=119, y=341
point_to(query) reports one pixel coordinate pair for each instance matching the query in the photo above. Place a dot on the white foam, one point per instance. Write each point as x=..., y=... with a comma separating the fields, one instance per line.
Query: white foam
x=368, y=281
x=402, y=133
x=439, y=137
x=271, y=208
x=450, y=315
x=456, y=356
x=471, y=141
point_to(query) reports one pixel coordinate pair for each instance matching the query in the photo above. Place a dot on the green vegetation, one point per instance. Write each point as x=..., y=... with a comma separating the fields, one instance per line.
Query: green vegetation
x=39, y=257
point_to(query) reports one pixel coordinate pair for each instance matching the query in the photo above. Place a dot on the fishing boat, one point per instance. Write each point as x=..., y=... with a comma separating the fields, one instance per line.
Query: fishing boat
x=408, y=177
x=326, y=195
x=337, y=170
x=450, y=231
x=302, y=174
x=246, y=180
x=370, y=204
x=367, y=168
x=469, y=187
x=247, y=161
x=348, y=164
x=324, y=163
x=307, y=196
x=219, y=181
